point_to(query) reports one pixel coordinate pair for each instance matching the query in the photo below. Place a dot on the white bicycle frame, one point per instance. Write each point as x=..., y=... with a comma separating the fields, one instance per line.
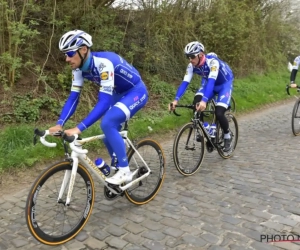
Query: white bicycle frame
x=79, y=154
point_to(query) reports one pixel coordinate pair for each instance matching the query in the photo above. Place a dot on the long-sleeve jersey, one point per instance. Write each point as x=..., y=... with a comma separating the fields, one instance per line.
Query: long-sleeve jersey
x=108, y=70
x=214, y=72
x=295, y=68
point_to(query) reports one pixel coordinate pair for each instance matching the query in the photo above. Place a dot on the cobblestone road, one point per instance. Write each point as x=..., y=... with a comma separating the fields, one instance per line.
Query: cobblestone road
x=228, y=204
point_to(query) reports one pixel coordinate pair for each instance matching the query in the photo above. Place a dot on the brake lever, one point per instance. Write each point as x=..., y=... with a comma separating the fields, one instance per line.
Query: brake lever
x=37, y=133
x=174, y=112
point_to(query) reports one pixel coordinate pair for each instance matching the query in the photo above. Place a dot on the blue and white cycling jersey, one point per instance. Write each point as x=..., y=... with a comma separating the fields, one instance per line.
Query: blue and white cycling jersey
x=296, y=63
x=214, y=73
x=112, y=73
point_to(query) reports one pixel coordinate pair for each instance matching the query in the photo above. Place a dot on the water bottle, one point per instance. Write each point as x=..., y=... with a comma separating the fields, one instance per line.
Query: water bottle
x=206, y=126
x=213, y=130
x=104, y=168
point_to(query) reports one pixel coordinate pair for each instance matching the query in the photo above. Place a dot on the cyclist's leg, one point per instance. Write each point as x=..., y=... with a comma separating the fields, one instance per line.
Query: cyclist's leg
x=127, y=106
x=223, y=100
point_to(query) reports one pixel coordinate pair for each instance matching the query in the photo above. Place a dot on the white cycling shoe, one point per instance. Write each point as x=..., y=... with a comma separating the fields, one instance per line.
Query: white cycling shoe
x=120, y=177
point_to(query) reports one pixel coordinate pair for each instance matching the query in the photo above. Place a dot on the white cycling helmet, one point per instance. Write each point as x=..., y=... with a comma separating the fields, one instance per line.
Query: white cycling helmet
x=193, y=48
x=74, y=39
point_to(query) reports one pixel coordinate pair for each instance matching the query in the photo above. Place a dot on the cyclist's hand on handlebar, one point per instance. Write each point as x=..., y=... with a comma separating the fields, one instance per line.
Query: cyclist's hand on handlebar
x=56, y=130
x=72, y=131
x=200, y=106
x=293, y=85
x=172, y=105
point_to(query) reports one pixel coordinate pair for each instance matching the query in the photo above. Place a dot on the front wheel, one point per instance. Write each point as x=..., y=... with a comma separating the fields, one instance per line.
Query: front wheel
x=234, y=133
x=188, y=149
x=146, y=189
x=296, y=118
x=49, y=219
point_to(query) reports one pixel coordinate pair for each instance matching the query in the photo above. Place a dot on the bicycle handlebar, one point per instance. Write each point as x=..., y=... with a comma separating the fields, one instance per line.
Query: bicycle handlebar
x=287, y=88
x=189, y=106
x=70, y=139
x=42, y=135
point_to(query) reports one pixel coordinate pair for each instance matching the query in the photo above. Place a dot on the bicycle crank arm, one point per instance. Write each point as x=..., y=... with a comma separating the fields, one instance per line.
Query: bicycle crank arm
x=114, y=191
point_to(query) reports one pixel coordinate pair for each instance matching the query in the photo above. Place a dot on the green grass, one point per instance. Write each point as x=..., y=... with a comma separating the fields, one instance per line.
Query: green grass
x=17, y=150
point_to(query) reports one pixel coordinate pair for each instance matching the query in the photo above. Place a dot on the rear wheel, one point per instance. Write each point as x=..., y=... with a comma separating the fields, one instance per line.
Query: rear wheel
x=296, y=118
x=234, y=133
x=188, y=149
x=232, y=106
x=146, y=189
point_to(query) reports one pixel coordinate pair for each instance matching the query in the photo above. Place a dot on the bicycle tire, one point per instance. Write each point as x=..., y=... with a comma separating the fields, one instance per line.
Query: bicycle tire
x=146, y=189
x=232, y=105
x=234, y=132
x=296, y=119
x=185, y=142
x=51, y=222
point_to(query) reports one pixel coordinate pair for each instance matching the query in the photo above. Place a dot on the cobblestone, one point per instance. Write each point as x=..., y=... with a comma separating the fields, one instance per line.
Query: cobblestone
x=227, y=205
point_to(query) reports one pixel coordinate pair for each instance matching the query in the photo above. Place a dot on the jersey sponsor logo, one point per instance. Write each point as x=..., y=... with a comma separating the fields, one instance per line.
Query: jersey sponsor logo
x=214, y=68
x=101, y=67
x=131, y=107
x=104, y=75
x=124, y=72
x=106, y=89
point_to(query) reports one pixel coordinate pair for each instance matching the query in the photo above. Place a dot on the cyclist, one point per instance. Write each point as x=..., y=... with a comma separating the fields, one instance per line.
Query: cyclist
x=294, y=70
x=122, y=93
x=217, y=79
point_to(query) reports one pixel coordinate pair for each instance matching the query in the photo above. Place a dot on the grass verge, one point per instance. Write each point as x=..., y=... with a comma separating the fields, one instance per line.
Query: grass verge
x=17, y=150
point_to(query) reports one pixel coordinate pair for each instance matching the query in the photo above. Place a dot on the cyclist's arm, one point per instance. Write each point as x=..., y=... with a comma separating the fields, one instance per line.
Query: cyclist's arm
x=213, y=74
x=185, y=83
x=72, y=102
x=104, y=97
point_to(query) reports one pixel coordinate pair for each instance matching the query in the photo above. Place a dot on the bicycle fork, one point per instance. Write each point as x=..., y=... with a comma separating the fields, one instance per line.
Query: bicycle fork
x=69, y=176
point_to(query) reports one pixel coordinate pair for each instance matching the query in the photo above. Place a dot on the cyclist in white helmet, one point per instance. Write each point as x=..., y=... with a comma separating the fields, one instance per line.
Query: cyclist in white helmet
x=294, y=71
x=121, y=94
x=217, y=79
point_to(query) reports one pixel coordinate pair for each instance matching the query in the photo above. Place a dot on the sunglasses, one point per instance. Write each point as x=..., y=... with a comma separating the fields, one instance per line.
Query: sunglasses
x=191, y=56
x=70, y=53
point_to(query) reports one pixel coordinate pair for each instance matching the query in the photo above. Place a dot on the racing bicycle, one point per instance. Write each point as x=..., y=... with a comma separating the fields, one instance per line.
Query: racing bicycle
x=61, y=199
x=191, y=139
x=296, y=112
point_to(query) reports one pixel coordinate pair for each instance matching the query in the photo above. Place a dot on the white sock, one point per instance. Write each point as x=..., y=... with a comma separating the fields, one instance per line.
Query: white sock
x=227, y=136
x=125, y=169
